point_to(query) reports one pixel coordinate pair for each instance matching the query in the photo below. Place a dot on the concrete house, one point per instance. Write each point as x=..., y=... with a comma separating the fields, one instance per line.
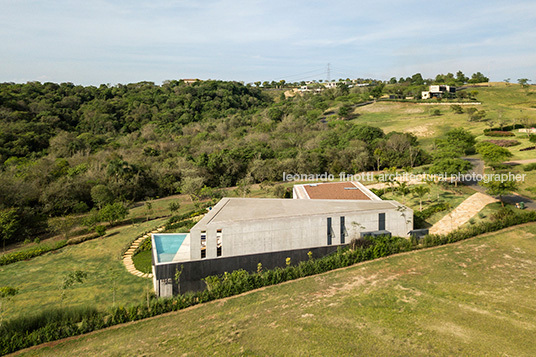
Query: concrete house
x=239, y=233
x=437, y=91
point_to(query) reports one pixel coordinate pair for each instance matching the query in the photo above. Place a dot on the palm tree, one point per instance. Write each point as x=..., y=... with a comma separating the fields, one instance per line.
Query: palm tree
x=420, y=191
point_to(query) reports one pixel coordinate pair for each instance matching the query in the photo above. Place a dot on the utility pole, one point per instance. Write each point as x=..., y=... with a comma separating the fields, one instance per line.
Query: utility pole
x=329, y=74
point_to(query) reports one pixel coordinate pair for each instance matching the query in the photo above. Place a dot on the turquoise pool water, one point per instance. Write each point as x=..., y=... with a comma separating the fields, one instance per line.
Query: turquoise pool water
x=168, y=245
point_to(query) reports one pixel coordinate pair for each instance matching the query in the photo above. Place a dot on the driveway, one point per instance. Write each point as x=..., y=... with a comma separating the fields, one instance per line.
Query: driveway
x=478, y=168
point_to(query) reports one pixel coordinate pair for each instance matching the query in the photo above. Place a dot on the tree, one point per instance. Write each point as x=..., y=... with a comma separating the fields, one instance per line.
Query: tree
x=461, y=138
x=344, y=111
x=524, y=82
x=377, y=91
x=499, y=187
x=417, y=79
x=112, y=213
x=420, y=191
x=450, y=167
x=478, y=78
x=174, y=206
x=101, y=195
x=192, y=185
x=492, y=154
x=70, y=279
x=457, y=109
x=178, y=273
x=9, y=224
x=402, y=189
x=461, y=78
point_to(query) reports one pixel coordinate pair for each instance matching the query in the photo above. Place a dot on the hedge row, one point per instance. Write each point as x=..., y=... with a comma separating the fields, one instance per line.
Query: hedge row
x=503, y=143
x=52, y=325
x=31, y=252
x=498, y=133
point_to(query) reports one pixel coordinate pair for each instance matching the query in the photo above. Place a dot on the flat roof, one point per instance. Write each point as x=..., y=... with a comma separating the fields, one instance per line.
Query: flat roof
x=335, y=191
x=230, y=210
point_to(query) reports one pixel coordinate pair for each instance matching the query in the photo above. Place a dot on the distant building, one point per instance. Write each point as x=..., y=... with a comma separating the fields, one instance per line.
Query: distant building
x=437, y=91
x=190, y=81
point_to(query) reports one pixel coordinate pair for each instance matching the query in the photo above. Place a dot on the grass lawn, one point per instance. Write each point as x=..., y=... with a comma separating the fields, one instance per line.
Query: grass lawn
x=500, y=102
x=475, y=297
x=454, y=196
x=39, y=280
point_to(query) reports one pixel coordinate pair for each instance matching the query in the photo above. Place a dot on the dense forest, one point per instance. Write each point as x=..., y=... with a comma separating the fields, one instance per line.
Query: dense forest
x=67, y=148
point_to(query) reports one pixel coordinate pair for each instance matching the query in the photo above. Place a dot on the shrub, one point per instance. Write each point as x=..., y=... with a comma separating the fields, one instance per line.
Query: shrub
x=532, y=138
x=529, y=167
x=528, y=148
x=30, y=253
x=503, y=143
x=100, y=230
x=496, y=133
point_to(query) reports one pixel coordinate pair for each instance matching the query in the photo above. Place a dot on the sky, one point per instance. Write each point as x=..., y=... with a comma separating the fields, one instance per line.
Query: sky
x=125, y=41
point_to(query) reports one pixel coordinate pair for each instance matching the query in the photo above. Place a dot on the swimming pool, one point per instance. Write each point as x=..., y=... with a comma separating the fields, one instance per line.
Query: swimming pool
x=167, y=246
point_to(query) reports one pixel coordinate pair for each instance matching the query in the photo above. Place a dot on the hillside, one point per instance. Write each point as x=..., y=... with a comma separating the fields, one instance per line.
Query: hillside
x=470, y=298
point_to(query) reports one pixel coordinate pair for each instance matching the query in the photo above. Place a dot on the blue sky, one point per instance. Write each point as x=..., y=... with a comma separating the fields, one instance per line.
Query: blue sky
x=99, y=41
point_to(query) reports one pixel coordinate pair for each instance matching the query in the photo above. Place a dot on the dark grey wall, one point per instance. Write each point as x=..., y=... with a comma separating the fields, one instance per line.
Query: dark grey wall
x=194, y=272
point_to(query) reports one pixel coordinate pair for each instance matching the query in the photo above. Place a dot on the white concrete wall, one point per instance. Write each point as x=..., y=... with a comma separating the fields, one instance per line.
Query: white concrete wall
x=270, y=235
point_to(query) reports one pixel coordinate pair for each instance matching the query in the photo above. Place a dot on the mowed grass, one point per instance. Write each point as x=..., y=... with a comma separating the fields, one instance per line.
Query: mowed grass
x=454, y=196
x=510, y=103
x=472, y=298
x=39, y=280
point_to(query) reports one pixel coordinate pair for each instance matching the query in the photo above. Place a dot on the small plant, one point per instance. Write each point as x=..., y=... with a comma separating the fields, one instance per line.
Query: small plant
x=310, y=255
x=178, y=273
x=37, y=240
x=100, y=230
x=259, y=268
x=70, y=279
x=174, y=207
x=530, y=167
x=287, y=262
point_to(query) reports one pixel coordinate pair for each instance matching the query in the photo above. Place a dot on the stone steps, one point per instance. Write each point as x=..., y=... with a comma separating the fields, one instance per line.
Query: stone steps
x=127, y=257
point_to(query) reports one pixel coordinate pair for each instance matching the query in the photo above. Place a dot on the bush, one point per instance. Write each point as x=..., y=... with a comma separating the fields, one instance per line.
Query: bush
x=532, y=138
x=503, y=143
x=528, y=148
x=419, y=218
x=529, y=167
x=31, y=252
x=100, y=230
x=496, y=133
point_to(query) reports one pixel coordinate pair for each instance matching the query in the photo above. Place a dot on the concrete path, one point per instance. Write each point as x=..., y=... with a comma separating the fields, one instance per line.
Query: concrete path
x=521, y=162
x=462, y=214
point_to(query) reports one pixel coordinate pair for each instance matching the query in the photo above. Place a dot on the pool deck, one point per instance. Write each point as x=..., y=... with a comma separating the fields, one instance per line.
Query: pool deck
x=183, y=254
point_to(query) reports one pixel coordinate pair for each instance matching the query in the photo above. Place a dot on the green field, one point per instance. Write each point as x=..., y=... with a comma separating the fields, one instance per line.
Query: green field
x=471, y=298
x=39, y=280
x=508, y=103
